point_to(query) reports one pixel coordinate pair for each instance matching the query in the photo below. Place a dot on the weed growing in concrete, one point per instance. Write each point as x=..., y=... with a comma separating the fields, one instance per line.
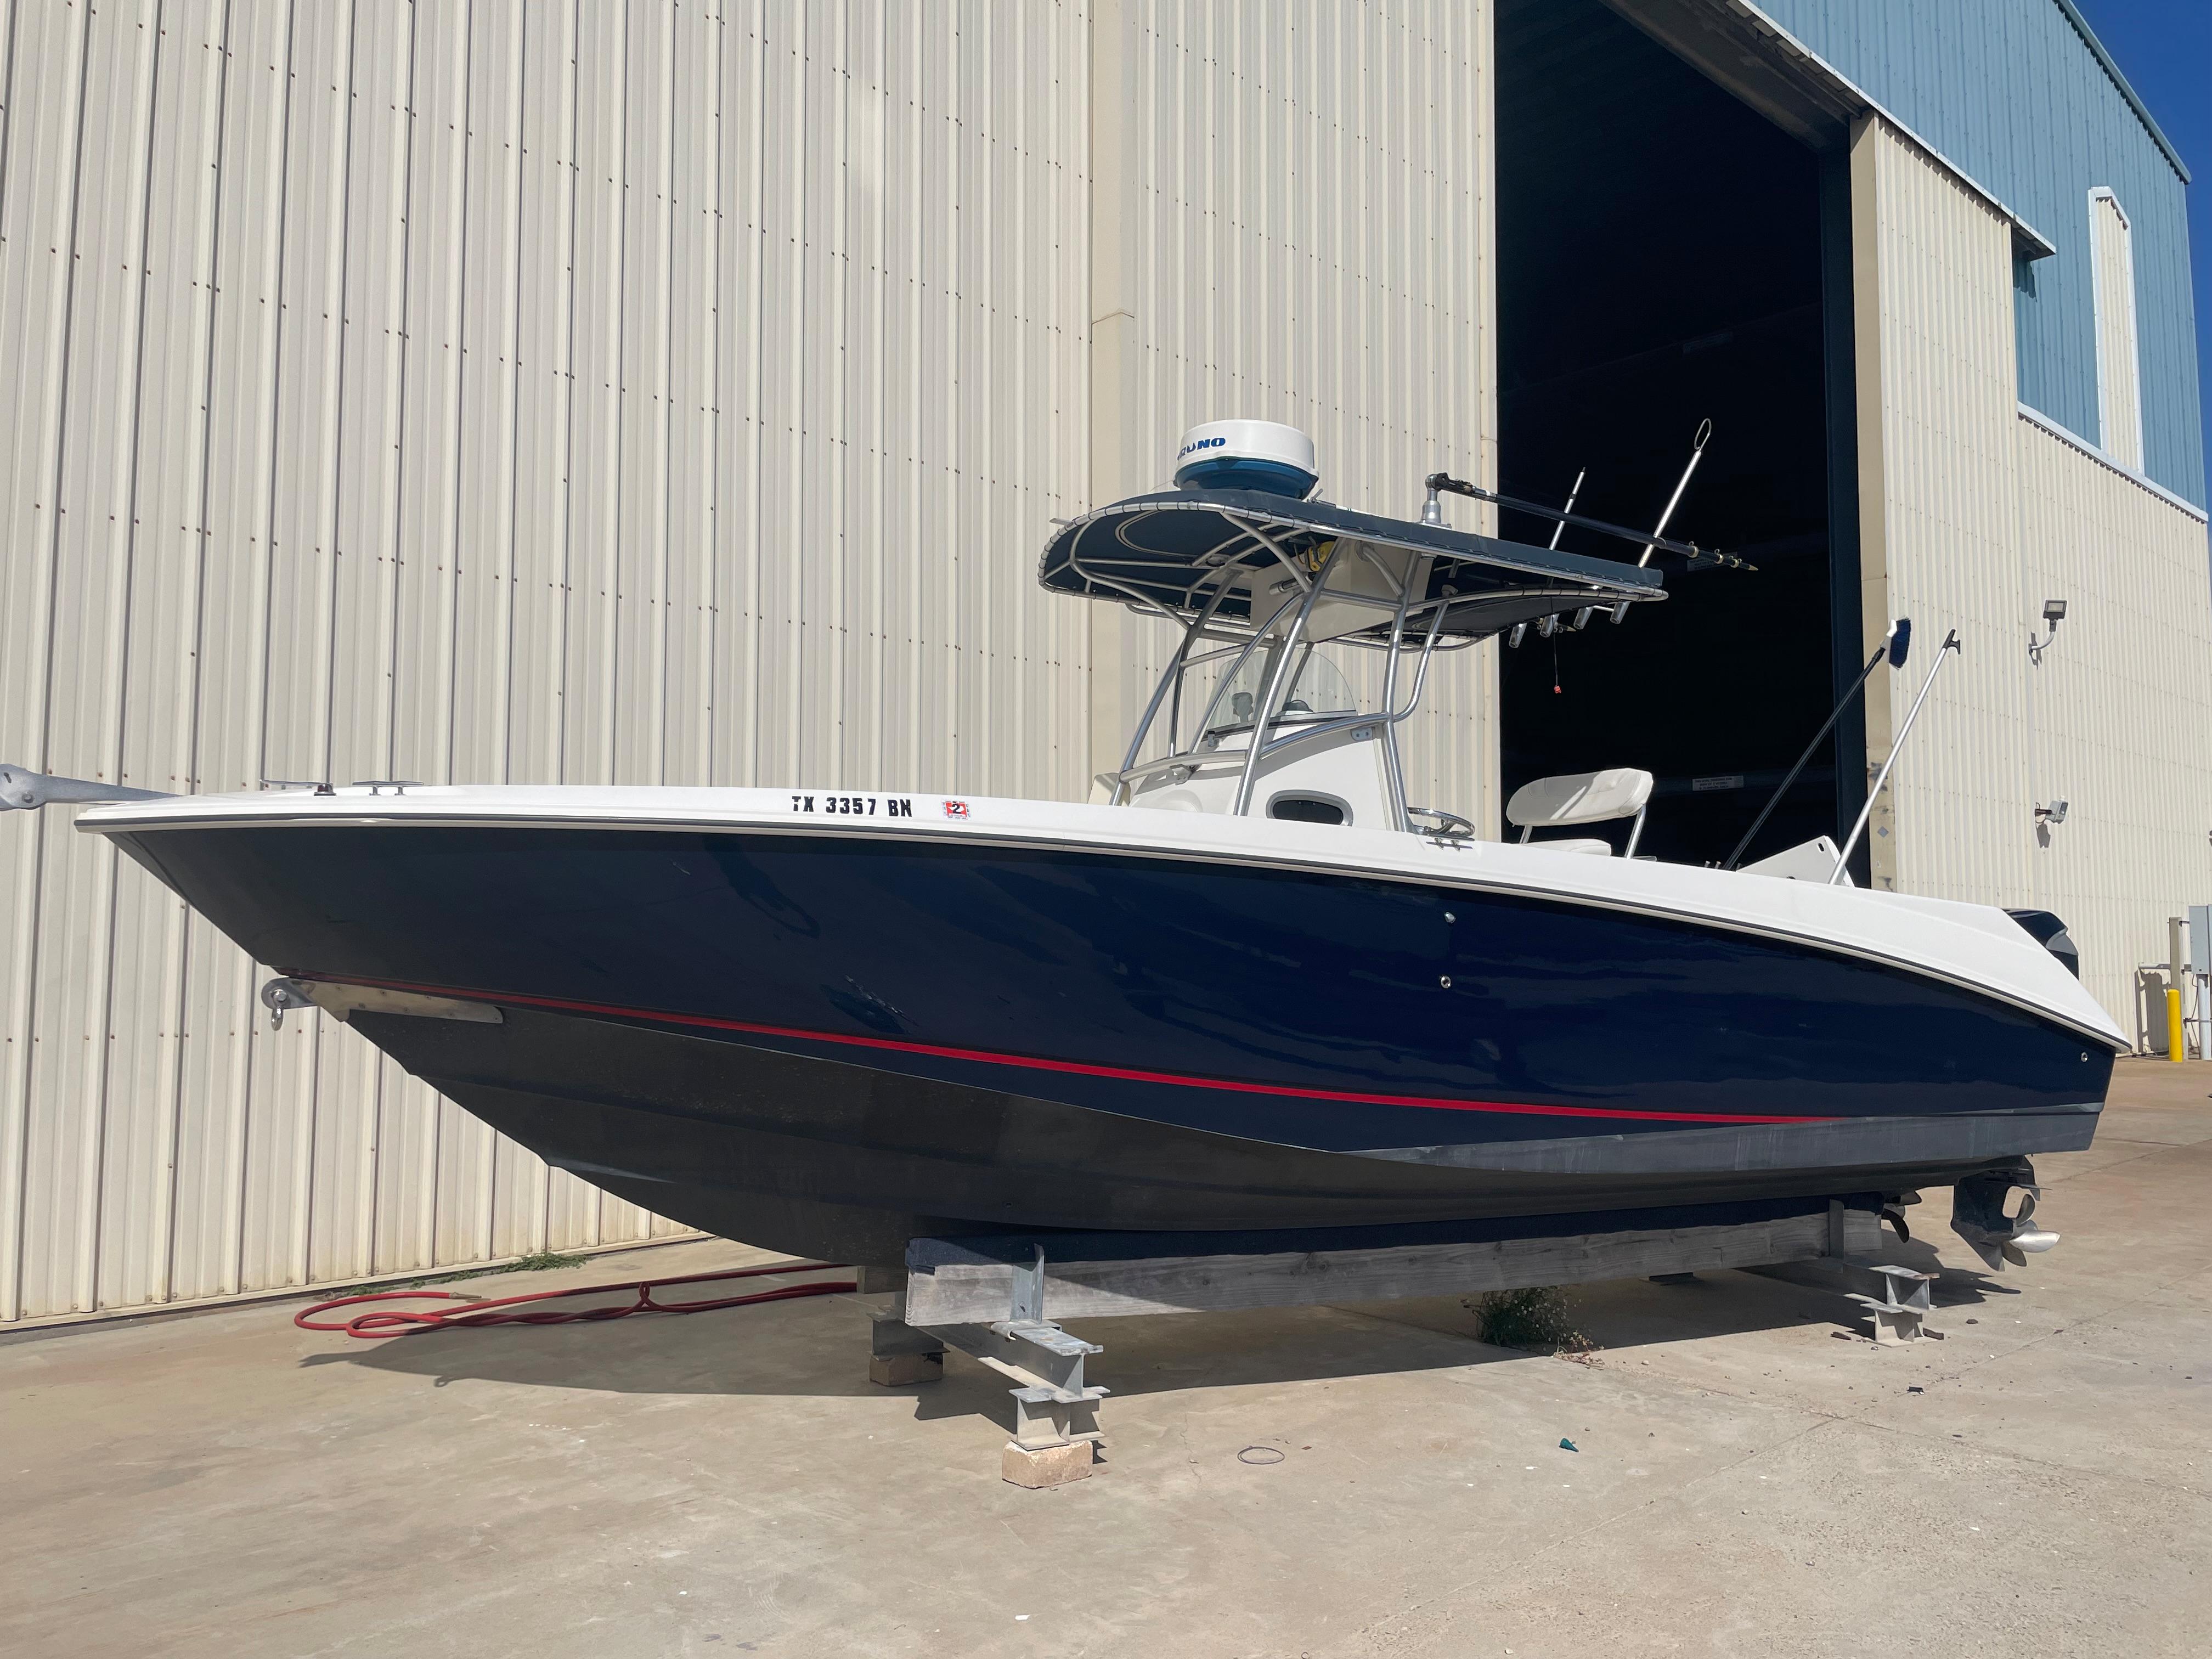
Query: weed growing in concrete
x=1535, y=1320
x=540, y=1261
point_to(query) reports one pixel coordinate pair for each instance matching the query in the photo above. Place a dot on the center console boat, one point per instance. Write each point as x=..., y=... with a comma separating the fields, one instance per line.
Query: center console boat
x=1250, y=985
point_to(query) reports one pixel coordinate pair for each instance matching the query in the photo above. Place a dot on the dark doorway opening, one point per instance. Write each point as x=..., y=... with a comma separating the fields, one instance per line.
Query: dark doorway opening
x=1662, y=263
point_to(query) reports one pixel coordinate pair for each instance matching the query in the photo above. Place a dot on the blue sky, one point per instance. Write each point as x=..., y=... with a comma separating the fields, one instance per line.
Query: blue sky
x=2165, y=49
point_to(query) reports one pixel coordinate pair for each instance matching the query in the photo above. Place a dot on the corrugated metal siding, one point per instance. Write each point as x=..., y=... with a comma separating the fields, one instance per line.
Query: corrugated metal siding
x=1938, y=497
x=1973, y=513
x=2008, y=91
x=2119, y=379
x=499, y=392
x=582, y=393
x=1300, y=193
x=2121, y=710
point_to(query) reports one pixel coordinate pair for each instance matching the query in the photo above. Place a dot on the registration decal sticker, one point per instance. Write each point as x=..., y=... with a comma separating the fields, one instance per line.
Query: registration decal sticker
x=955, y=809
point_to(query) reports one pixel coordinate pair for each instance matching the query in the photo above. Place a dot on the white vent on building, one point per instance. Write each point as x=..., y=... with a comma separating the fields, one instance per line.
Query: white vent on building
x=2119, y=379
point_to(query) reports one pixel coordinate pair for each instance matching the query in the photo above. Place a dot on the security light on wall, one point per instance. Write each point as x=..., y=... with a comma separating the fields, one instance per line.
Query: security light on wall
x=2054, y=613
x=2054, y=813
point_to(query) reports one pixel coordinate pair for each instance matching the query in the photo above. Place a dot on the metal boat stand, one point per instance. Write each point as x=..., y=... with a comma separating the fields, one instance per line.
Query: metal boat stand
x=1897, y=1299
x=1056, y=1434
x=989, y=1297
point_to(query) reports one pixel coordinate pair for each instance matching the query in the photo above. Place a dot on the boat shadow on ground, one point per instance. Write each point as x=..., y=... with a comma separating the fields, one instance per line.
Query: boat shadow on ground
x=818, y=1349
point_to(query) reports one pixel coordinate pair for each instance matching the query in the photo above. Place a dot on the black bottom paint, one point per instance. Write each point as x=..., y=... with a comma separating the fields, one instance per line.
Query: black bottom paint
x=846, y=1163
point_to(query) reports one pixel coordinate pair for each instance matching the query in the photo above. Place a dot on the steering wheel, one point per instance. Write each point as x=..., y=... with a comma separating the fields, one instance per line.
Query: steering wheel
x=1450, y=827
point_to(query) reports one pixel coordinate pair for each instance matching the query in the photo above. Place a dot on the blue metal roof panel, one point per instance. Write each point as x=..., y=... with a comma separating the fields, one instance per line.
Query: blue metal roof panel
x=2143, y=111
x=2016, y=94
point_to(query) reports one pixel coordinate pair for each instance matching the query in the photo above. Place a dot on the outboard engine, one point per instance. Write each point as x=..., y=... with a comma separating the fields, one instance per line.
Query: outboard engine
x=2050, y=933
x=1260, y=455
x=1977, y=1215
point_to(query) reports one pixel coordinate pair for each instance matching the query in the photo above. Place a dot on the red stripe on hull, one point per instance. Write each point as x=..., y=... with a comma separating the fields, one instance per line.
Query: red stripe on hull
x=1078, y=1068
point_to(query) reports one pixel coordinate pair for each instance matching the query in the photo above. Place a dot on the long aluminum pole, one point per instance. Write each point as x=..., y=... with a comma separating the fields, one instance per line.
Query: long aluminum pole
x=1697, y=454
x=1942, y=655
x=1573, y=494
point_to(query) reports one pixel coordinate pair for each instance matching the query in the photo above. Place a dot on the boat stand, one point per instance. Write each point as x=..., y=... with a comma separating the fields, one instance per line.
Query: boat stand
x=1896, y=1299
x=1056, y=1433
x=988, y=1297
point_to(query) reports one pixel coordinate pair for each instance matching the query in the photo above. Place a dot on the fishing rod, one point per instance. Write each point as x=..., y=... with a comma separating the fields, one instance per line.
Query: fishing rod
x=1572, y=496
x=1895, y=645
x=1697, y=454
x=1942, y=655
x=1444, y=482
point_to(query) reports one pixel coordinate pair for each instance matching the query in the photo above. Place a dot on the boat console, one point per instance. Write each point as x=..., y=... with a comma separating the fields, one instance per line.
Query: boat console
x=1256, y=574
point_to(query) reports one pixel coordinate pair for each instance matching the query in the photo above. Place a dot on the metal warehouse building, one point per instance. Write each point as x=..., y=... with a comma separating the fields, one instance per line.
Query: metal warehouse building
x=576, y=392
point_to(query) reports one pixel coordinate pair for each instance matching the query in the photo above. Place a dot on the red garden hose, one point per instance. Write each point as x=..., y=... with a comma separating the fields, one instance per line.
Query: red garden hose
x=479, y=1315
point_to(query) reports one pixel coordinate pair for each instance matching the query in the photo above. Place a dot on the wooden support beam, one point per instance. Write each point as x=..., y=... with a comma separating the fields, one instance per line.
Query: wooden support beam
x=957, y=1282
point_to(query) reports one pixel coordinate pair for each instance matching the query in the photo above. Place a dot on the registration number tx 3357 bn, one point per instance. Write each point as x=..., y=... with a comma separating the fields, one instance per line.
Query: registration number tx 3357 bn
x=856, y=806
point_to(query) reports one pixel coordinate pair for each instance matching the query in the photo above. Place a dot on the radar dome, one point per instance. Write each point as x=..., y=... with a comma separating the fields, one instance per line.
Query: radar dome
x=1261, y=455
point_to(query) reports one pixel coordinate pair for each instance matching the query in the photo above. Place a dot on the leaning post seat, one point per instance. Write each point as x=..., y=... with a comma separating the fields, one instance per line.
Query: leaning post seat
x=1619, y=792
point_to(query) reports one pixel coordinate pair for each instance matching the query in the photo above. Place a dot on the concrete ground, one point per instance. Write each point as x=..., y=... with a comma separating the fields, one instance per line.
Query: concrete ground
x=1748, y=1479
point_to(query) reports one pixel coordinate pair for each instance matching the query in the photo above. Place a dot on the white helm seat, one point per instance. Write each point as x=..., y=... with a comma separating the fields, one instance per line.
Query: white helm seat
x=1619, y=792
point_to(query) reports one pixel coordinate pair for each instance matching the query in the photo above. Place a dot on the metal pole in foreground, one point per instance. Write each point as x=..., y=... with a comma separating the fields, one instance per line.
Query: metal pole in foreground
x=1942, y=655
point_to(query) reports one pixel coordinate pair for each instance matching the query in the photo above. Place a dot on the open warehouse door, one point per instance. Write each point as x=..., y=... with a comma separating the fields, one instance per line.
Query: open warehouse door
x=1670, y=256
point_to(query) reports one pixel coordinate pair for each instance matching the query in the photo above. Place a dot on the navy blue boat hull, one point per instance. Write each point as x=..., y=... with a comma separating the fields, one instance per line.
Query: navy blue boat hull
x=824, y=1043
